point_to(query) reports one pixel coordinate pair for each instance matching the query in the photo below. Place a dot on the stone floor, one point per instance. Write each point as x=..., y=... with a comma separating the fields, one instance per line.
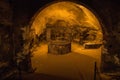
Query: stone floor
x=77, y=65
x=36, y=76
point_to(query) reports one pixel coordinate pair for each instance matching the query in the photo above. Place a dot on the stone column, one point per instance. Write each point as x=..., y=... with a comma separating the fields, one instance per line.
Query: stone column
x=48, y=32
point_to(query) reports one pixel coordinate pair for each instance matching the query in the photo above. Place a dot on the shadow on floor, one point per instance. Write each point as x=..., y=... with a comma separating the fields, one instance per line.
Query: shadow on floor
x=38, y=76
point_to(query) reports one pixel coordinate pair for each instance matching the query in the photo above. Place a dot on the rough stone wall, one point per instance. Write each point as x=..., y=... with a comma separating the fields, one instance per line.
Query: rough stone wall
x=23, y=10
x=5, y=30
x=5, y=13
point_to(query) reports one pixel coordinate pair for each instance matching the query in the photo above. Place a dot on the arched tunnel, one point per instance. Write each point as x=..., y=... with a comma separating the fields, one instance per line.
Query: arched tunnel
x=59, y=40
x=68, y=35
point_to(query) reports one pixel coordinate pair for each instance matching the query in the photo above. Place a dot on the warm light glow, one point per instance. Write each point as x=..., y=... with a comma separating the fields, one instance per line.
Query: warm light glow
x=72, y=13
x=76, y=22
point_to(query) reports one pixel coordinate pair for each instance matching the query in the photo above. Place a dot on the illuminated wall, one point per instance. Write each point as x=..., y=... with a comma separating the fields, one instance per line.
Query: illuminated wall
x=74, y=15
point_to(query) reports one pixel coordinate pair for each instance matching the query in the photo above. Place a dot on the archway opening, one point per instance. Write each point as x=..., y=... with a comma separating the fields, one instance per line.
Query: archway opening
x=66, y=27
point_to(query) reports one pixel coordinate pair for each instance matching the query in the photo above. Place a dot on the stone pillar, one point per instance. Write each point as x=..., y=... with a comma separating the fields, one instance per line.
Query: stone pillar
x=48, y=32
